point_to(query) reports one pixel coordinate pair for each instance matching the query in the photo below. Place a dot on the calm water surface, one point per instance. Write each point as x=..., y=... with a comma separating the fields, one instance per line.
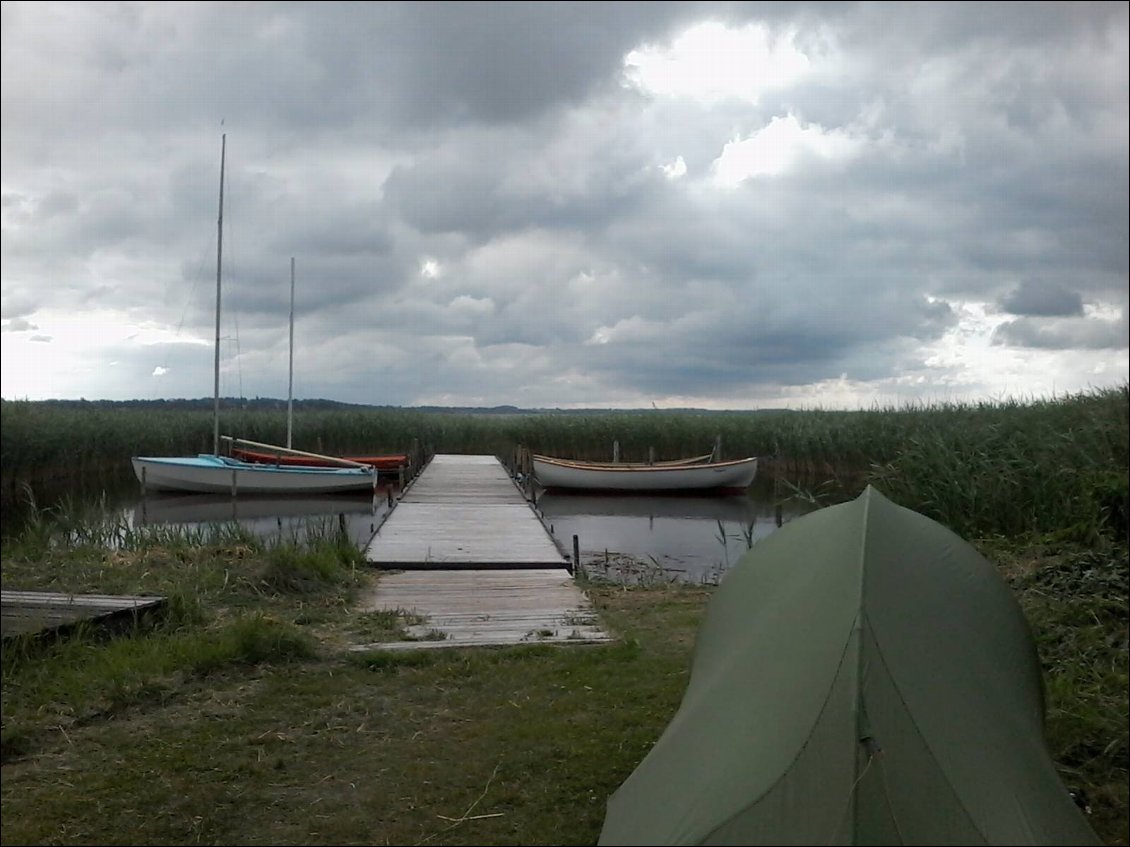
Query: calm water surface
x=693, y=538
x=623, y=537
x=279, y=518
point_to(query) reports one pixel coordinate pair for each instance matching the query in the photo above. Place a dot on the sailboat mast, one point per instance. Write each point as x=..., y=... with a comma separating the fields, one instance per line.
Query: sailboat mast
x=290, y=382
x=219, y=265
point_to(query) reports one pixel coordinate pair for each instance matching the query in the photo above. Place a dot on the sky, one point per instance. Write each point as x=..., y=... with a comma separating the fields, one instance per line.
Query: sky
x=566, y=205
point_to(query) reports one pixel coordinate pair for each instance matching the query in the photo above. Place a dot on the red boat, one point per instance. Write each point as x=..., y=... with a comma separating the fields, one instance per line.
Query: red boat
x=390, y=462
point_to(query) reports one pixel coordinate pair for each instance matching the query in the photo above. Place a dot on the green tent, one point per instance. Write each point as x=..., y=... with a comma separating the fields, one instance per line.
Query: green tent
x=861, y=676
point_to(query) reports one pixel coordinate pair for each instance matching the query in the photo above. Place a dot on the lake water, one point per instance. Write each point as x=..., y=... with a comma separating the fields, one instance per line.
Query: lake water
x=691, y=539
x=620, y=537
x=270, y=518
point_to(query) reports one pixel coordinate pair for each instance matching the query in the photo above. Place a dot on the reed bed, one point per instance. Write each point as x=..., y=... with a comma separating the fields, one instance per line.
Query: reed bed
x=1001, y=468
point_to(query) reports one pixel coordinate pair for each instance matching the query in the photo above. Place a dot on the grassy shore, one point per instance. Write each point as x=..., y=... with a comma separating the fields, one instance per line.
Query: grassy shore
x=240, y=716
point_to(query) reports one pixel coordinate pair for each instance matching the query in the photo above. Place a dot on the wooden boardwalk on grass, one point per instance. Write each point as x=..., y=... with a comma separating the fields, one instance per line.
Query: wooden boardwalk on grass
x=467, y=553
x=466, y=608
x=42, y=611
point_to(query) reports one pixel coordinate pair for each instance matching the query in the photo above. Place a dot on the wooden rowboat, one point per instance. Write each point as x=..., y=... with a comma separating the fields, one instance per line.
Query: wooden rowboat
x=692, y=460
x=390, y=462
x=731, y=476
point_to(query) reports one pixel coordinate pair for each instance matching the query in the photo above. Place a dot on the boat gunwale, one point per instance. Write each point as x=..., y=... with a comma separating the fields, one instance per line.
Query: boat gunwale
x=207, y=461
x=637, y=468
x=390, y=461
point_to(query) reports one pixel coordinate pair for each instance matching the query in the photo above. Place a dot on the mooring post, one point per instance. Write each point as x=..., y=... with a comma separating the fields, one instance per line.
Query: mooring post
x=576, y=555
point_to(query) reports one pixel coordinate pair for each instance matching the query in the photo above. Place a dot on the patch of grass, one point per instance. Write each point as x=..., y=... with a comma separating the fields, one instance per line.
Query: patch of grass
x=449, y=747
x=1076, y=600
x=82, y=678
x=430, y=634
x=383, y=625
x=242, y=719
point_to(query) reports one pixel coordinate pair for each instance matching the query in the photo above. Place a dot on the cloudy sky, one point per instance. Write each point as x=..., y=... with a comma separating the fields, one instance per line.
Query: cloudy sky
x=719, y=205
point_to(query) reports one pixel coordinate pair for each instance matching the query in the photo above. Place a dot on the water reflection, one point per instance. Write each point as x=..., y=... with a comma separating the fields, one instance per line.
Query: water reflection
x=282, y=517
x=690, y=538
x=622, y=537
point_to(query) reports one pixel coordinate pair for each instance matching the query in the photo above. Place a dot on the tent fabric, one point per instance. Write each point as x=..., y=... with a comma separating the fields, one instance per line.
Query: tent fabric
x=861, y=676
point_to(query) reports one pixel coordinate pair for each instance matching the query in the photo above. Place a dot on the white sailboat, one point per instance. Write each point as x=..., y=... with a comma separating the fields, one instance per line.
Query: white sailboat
x=213, y=473
x=270, y=455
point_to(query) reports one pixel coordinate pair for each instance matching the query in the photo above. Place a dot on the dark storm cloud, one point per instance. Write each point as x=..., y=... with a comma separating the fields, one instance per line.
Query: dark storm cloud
x=747, y=342
x=1052, y=334
x=500, y=182
x=481, y=206
x=1036, y=299
x=498, y=62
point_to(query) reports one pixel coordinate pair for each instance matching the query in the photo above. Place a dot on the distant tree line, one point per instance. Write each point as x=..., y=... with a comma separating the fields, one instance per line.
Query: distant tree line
x=257, y=404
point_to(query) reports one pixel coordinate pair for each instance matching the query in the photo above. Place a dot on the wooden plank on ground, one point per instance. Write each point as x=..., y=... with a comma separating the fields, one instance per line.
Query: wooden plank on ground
x=464, y=608
x=42, y=611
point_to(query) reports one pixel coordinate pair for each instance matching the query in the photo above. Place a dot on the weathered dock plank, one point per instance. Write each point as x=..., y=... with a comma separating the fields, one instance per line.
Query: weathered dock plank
x=463, y=512
x=42, y=611
x=466, y=608
x=465, y=551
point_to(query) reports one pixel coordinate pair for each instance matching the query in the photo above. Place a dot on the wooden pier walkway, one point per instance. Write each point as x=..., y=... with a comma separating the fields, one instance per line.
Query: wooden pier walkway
x=467, y=555
x=463, y=512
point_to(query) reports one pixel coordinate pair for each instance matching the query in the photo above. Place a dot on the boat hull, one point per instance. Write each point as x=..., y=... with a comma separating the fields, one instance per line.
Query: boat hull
x=737, y=475
x=206, y=474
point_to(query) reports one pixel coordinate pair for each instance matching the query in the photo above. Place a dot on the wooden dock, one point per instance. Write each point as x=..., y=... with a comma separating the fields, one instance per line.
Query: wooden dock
x=41, y=611
x=468, y=556
x=467, y=608
x=463, y=512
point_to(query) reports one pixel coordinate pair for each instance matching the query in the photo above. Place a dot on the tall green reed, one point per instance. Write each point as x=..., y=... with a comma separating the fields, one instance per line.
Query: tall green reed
x=983, y=468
